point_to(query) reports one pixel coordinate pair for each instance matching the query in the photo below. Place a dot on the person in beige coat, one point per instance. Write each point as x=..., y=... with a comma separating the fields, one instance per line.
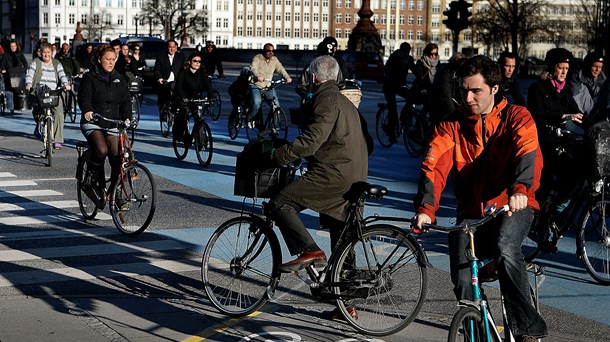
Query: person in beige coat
x=263, y=67
x=337, y=146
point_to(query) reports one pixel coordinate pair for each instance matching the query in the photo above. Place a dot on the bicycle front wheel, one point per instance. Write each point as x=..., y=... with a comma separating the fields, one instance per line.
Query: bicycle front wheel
x=215, y=106
x=279, y=124
x=414, y=133
x=594, y=241
x=48, y=140
x=467, y=325
x=86, y=205
x=234, y=125
x=381, y=126
x=134, y=200
x=181, y=145
x=166, y=121
x=239, y=266
x=204, y=144
x=382, y=278
x=135, y=108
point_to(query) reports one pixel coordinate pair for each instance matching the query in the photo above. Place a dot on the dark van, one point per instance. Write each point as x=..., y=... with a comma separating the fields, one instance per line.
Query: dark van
x=364, y=65
x=150, y=48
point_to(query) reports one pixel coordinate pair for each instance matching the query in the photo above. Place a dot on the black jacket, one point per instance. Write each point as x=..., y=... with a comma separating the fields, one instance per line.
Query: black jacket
x=190, y=85
x=162, y=67
x=109, y=98
x=211, y=61
x=510, y=88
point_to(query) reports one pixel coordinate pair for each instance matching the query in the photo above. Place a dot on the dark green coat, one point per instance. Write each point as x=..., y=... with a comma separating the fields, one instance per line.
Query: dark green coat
x=336, y=145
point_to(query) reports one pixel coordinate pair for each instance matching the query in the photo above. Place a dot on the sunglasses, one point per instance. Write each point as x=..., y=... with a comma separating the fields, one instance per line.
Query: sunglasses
x=196, y=60
x=433, y=54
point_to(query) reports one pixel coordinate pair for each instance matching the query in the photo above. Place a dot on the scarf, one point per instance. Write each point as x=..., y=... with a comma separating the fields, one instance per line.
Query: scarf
x=105, y=75
x=430, y=64
x=558, y=85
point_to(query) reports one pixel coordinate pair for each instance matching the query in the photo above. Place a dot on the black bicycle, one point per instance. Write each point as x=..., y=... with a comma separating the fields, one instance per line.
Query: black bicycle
x=196, y=131
x=414, y=125
x=133, y=196
x=46, y=100
x=69, y=101
x=275, y=122
x=377, y=276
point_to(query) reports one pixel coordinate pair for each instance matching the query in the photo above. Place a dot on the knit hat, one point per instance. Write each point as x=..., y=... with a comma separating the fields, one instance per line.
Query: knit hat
x=556, y=56
x=591, y=58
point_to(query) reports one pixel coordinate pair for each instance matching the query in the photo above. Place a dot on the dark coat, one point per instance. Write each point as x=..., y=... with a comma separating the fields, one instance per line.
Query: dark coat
x=338, y=155
x=511, y=90
x=162, y=67
x=108, y=98
x=190, y=85
x=212, y=61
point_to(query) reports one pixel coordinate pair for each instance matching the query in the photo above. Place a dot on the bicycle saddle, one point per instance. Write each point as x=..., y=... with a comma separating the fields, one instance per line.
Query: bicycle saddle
x=366, y=190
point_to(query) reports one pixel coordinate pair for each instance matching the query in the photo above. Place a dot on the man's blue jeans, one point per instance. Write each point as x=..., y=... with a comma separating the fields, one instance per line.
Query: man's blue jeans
x=501, y=239
x=257, y=98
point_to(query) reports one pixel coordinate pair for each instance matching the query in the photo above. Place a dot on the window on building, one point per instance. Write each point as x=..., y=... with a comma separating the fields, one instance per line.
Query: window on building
x=225, y=22
x=420, y=20
x=96, y=19
x=268, y=31
x=218, y=22
x=324, y=33
x=339, y=3
x=108, y=2
x=411, y=21
x=410, y=35
x=338, y=19
x=382, y=34
x=240, y=15
x=278, y=32
x=447, y=36
x=297, y=17
x=348, y=3
x=269, y=16
x=435, y=37
x=401, y=20
x=401, y=34
x=288, y=16
x=348, y=33
x=45, y=19
x=249, y=16
x=447, y=52
x=436, y=8
x=259, y=31
x=120, y=20
x=83, y=19
x=316, y=33
x=72, y=19
x=287, y=32
x=278, y=16
x=297, y=33
x=411, y=5
x=420, y=5
x=392, y=34
x=392, y=20
x=240, y=31
x=383, y=19
x=306, y=17
x=249, y=31
x=316, y=17
x=305, y=33
x=259, y=15
x=82, y=3
x=435, y=23
x=58, y=2
x=338, y=33
x=467, y=36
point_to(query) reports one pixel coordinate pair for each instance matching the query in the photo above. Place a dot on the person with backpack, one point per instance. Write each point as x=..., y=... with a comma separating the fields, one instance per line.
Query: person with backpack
x=13, y=64
x=48, y=71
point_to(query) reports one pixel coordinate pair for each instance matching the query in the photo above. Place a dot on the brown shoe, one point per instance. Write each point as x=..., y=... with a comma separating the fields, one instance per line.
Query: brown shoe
x=316, y=258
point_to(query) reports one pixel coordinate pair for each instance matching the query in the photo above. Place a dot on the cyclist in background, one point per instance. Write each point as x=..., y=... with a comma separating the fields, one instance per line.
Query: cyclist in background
x=263, y=67
x=446, y=89
x=425, y=70
x=13, y=65
x=212, y=60
x=68, y=61
x=137, y=60
x=395, y=75
x=586, y=84
x=86, y=58
x=104, y=91
x=504, y=169
x=509, y=86
x=48, y=71
x=167, y=66
x=191, y=82
x=238, y=90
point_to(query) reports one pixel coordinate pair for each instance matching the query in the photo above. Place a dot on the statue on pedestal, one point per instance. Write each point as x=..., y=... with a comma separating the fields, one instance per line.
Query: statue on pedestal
x=78, y=37
x=365, y=36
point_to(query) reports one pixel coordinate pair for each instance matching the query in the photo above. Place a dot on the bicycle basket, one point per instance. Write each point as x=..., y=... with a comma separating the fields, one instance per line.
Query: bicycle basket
x=253, y=178
x=45, y=99
x=600, y=149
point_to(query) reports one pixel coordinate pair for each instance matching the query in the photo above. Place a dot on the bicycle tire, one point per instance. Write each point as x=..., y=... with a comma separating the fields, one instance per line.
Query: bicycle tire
x=72, y=106
x=381, y=121
x=87, y=207
x=234, y=125
x=593, y=240
x=134, y=200
x=414, y=133
x=2, y=103
x=461, y=324
x=279, y=124
x=135, y=108
x=236, y=287
x=165, y=120
x=204, y=144
x=48, y=140
x=398, y=280
x=181, y=146
x=215, y=106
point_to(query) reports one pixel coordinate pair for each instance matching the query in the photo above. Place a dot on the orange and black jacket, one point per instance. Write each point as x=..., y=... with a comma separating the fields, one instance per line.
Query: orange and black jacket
x=487, y=169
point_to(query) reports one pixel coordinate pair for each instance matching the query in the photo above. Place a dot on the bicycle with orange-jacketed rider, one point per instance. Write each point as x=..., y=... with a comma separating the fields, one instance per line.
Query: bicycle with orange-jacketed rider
x=458, y=144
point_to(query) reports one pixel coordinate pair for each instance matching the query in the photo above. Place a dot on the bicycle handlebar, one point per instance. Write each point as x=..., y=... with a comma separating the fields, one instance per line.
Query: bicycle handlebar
x=118, y=123
x=490, y=213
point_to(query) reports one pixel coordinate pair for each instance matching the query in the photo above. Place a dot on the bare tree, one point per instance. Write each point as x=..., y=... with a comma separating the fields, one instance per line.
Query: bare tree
x=98, y=23
x=509, y=23
x=588, y=18
x=179, y=18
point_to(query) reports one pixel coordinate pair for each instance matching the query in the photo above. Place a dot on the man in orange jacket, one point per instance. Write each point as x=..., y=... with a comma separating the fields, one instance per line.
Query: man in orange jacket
x=492, y=151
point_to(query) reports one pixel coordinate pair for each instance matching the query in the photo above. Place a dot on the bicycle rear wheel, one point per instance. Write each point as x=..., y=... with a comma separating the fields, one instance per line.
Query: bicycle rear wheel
x=204, y=144
x=48, y=140
x=594, y=241
x=239, y=266
x=467, y=325
x=215, y=106
x=381, y=125
x=135, y=108
x=234, y=125
x=134, y=200
x=385, y=281
x=86, y=205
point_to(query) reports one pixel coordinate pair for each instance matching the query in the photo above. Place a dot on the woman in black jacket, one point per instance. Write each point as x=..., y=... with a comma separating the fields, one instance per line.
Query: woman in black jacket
x=103, y=91
x=191, y=83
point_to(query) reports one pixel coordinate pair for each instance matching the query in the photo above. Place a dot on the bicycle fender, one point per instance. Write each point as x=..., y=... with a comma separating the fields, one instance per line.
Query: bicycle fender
x=275, y=245
x=469, y=303
x=422, y=257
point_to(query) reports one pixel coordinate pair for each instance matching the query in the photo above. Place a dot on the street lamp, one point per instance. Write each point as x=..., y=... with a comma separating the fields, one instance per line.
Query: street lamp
x=136, y=18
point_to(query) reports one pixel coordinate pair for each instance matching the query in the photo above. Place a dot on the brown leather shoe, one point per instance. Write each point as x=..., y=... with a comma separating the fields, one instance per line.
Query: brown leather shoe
x=317, y=258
